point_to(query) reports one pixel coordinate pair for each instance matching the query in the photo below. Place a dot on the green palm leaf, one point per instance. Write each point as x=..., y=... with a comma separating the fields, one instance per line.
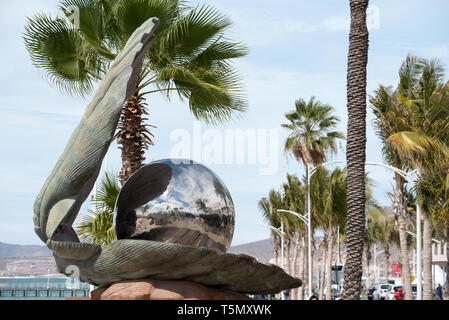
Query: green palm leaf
x=97, y=227
x=57, y=48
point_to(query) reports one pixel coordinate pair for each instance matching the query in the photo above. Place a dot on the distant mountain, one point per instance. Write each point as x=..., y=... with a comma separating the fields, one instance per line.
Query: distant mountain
x=18, y=251
x=261, y=250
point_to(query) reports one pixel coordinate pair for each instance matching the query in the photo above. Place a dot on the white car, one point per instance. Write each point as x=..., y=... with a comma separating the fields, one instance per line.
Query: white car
x=382, y=291
x=393, y=291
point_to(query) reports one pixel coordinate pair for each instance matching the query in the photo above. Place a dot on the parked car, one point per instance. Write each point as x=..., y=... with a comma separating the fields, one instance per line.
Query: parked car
x=393, y=290
x=370, y=293
x=381, y=291
x=414, y=291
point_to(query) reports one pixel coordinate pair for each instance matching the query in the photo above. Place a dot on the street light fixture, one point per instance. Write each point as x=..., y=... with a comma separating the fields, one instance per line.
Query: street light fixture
x=281, y=233
x=306, y=220
x=312, y=170
x=376, y=268
x=409, y=177
x=414, y=236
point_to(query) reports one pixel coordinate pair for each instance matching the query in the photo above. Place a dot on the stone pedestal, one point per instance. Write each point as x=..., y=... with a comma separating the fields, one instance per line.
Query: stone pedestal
x=148, y=289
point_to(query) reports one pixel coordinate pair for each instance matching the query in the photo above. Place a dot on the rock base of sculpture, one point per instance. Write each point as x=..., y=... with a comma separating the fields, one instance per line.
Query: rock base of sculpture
x=148, y=289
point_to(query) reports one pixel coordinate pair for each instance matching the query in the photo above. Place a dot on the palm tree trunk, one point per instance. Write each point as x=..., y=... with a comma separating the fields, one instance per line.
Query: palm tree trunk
x=330, y=249
x=278, y=262
x=356, y=147
x=312, y=255
x=427, y=257
x=387, y=261
x=399, y=211
x=323, y=268
x=306, y=273
x=323, y=274
x=446, y=285
x=306, y=243
x=287, y=255
x=302, y=257
x=133, y=136
x=295, y=264
x=368, y=264
x=275, y=251
x=339, y=250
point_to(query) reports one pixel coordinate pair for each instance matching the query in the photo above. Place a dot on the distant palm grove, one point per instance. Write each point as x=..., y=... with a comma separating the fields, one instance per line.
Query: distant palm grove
x=411, y=121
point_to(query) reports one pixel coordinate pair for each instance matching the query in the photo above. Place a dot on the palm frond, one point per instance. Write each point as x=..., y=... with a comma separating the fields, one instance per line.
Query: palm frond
x=97, y=227
x=409, y=144
x=57, y=48
x=197, y=29
x=92, y=23
x=107, y=192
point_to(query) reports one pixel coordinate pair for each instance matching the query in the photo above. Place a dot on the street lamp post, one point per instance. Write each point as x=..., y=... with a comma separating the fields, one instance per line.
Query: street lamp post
x=306, y=220
x=409, y=177
x=376, y=268
x=280, y=232
x=312, y=170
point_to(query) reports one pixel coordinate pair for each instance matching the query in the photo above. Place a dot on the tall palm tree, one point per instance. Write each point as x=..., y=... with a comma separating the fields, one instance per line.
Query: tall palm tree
x=391, y=118
x=311, y=134
x=190, y=56
x=437, y=190
x=97, y=226
x=290, y=197
x=355, y=148
x=268, y=206
x=424, y=145
x=384, y=232
x=329, y=194
x=369, y=240
x=293, y=191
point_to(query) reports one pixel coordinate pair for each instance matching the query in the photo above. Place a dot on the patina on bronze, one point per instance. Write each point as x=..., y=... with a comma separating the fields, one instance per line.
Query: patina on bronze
x=69, y=184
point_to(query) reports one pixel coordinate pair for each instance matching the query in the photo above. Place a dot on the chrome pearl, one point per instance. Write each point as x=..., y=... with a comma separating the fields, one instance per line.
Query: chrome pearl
x=177, y=201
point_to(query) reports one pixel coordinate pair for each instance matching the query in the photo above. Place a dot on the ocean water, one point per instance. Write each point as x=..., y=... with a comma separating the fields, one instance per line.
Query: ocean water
x=17, y=288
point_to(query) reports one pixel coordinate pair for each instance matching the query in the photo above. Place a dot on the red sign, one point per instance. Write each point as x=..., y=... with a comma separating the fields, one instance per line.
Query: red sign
x=396, y=270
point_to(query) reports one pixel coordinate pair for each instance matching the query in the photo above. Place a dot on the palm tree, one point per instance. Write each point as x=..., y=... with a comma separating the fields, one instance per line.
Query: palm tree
x=190, y=56
x=98, y=227
x=290, y=197
x=437, y=190
x=369, y=240
x=311, y=134
x=424, y=144
x=384, y=232
x=391, y=118
x=355, y=148
x=268, y=206
x=293, y=191
x=329, y=194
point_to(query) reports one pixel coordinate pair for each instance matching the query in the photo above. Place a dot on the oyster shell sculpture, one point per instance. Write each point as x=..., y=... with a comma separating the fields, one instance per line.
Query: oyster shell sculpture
x=174, y=221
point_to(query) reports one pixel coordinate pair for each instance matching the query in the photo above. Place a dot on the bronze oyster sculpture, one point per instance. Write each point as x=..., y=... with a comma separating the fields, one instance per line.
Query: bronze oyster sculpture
x=187, y=241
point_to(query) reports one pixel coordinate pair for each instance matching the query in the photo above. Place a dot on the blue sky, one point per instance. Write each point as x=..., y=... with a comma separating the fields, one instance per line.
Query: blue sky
x=298, y=49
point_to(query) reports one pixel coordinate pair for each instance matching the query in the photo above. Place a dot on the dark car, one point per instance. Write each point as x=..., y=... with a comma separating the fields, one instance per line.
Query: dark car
x=370, y=293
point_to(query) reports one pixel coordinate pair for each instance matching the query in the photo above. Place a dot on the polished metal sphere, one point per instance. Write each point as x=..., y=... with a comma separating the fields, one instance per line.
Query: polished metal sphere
x=177, y=201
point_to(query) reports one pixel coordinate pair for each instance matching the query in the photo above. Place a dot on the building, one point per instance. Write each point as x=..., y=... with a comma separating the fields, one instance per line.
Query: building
x=31, y=288
x=439, y=261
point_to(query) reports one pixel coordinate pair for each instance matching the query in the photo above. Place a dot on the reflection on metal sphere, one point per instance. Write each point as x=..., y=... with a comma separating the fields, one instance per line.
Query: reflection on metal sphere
x=177, y=201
